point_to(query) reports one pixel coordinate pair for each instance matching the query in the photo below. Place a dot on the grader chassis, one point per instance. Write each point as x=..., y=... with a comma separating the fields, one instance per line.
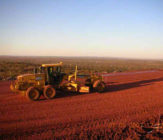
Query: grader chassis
x=48, y=79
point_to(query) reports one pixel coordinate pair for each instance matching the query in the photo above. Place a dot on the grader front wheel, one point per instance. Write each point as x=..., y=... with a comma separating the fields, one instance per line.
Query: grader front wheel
x=99, y=86
x=32, y=94
x=49, y=92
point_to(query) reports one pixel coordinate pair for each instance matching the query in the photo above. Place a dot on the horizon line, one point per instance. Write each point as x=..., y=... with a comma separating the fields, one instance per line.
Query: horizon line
x=131, y=58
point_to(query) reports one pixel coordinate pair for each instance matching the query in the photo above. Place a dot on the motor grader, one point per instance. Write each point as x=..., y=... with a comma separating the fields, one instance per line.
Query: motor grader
x=49, y=78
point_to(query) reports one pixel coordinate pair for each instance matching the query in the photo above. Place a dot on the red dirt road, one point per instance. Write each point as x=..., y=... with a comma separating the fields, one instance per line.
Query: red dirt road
x=130, y=100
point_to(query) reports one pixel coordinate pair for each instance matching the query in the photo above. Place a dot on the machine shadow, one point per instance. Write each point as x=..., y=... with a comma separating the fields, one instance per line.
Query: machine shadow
x=63, y=94
x=119, y=87
x=110, y=88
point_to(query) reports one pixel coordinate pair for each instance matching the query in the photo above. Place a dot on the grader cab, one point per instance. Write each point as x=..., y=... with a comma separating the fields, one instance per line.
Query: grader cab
x=49, y=78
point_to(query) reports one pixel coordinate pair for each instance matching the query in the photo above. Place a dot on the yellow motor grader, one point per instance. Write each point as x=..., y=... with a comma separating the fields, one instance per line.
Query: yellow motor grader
x=49, y=78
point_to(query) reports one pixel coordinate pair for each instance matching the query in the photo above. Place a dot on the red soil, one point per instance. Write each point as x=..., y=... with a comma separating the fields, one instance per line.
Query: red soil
x=129, y=102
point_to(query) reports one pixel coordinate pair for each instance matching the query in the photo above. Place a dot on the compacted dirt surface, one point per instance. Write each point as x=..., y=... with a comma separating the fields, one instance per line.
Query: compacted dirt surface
x=131, y=105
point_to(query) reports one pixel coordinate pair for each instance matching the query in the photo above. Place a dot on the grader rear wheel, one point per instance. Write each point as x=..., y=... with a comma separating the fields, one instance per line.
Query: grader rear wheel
x=32, y=94
x=49, y=92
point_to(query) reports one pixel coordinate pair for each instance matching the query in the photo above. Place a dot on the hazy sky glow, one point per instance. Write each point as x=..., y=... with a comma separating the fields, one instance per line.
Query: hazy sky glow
x=113, y=28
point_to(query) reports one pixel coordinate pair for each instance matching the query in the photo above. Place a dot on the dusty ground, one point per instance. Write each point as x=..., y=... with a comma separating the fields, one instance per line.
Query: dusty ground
x=131, y=101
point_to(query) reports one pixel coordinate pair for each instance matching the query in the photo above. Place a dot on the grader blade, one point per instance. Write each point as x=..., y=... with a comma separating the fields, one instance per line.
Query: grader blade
x=84, y=89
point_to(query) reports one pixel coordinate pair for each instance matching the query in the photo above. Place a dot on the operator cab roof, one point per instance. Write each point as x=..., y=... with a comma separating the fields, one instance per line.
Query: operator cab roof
x=52, y=65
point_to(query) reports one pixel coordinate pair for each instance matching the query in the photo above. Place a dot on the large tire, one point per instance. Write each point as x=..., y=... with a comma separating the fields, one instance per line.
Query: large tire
x=32, y=94
x=49, y=92
x=99, y=86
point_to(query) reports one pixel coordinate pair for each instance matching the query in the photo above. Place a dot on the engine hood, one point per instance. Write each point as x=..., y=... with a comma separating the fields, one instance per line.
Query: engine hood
x=26, y=77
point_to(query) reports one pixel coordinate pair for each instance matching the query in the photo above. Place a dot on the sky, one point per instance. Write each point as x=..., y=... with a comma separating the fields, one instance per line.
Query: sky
x=104, y=28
